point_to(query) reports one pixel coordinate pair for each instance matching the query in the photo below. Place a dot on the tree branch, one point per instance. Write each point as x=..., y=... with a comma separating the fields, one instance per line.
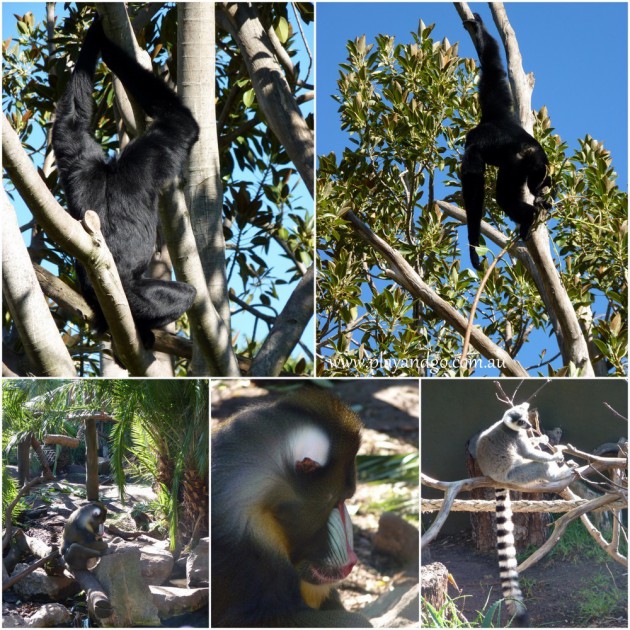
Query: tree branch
x=42, y=343
x=407, y=277
x=209, y=330
x=196, y=77
x=272, y=90
x=288, y=328
x=572, y=341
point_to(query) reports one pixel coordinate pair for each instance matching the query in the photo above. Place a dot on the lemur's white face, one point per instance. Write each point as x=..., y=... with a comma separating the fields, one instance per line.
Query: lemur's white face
x=517, y=418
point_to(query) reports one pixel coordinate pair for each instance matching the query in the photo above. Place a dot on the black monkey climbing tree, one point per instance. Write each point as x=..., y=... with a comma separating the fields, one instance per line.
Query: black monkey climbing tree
x=572, y=340
x=499, y=140
x=395, y=282
x=124, y=192
x=260, y=208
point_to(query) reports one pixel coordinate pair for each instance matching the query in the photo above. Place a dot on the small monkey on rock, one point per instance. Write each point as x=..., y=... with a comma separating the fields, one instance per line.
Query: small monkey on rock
x=83, y=535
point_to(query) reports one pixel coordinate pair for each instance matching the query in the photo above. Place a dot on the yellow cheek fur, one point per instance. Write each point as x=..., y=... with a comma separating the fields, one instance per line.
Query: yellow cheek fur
x=314, y=594
x=267, y=530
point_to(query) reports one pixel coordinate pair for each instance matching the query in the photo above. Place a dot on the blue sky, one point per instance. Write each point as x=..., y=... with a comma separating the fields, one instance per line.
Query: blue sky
x=578, y=53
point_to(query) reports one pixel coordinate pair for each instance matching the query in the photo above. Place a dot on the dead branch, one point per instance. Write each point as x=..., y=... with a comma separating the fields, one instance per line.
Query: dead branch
x=615, y=412
x=598, y=537
x=589, y=457
x=40, y=563
x=504, y=398
x=563, y=522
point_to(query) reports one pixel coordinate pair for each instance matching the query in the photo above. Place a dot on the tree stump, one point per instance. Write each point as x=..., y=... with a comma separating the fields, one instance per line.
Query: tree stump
x=434, y=584
x=529, y=528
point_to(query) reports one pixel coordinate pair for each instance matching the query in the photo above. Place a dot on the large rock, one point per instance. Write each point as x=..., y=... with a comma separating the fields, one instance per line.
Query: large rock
x=12, y=620
x=38, y=585
x=398, y=608
x=198, y=563
x=121, y=578
x=50, y=616
x=398, y=539
x=172, y=601
x=156, y=564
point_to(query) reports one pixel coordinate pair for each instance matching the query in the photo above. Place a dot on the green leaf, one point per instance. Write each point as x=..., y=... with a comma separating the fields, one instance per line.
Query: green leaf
x=283, y=30
x=249, y=97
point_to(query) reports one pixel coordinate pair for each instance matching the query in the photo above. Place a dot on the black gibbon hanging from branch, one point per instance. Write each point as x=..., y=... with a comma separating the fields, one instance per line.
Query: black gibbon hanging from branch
x=124, y=191
x=499, y=140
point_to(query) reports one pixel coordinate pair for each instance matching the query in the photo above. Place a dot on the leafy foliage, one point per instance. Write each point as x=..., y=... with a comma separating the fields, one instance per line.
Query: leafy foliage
x=161, y=435
x=264, y=204
x=267, y=210
x=406, y=109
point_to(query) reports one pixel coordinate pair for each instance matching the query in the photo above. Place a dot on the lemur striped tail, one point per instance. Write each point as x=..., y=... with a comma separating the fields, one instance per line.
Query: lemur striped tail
x=507, y=560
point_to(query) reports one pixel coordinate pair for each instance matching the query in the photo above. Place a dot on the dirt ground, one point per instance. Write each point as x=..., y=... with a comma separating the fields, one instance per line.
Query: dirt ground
x=389, y=408
x=553, y=589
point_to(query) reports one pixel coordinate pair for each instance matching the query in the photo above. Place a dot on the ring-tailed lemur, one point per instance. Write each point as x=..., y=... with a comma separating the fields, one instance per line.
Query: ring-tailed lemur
x=507, y=454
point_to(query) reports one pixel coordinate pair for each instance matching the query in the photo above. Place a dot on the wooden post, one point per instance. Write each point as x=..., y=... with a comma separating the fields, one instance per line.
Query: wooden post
x=24, y=449
x=91, y=460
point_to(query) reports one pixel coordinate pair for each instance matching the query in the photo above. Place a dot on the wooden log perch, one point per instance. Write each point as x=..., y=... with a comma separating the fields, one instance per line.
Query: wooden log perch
x=98, y=602
x=61, y=440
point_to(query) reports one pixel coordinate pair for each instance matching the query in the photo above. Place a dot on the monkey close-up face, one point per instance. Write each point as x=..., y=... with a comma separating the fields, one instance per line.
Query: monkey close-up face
x=281, y=533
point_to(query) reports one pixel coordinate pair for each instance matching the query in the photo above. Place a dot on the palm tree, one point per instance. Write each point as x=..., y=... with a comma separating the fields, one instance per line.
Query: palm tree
x=165, y=426
x=162, y=432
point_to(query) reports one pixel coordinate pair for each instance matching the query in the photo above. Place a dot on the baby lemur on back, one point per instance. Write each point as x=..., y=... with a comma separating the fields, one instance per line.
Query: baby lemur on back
x=505, y=453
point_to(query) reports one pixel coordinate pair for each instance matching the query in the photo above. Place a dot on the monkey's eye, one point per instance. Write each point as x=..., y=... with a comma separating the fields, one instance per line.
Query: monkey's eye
x=307, y=466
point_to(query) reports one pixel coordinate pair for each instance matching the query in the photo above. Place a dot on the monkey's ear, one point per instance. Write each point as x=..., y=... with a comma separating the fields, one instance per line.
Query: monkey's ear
x=96, y=512
x=307, y=466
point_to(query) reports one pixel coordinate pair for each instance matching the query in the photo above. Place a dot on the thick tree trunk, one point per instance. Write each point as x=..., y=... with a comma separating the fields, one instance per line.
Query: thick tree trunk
x=196, y=75
x=42, y=343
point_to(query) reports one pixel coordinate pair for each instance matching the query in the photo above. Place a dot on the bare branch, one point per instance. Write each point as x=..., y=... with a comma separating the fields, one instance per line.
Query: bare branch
x=272, y=90
x=572, y=341
x=406, y=276
x=209, y=330
x=539, y=390
x=196, y=78
x=8, y=513
x=562, y=523
x=287, y=329
x=14, y=579
x=615, y=412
